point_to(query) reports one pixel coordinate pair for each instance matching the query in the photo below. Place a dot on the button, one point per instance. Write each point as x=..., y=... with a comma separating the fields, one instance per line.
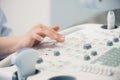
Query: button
x=87, y=46
x=96, y=70
x=109, y=73
x=94, y=53
x=86, y=57
x=109, y=43
x=93, y=69
x=85, y=68
x=56, y=53
x=116, y=39
x=105, y=71
x=89, y=68
x=101, y=70
x=40, y=60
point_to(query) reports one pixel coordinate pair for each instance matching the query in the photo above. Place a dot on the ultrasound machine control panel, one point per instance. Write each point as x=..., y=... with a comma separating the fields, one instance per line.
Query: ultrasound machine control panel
x=90, y=52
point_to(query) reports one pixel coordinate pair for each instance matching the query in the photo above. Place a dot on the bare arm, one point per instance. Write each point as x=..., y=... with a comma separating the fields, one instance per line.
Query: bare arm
x=11, y=44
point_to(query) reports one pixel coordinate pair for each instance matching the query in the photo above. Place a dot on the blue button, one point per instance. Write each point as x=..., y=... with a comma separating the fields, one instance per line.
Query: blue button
x=86, y=57
x=109, y=43
x=116, y=39
x=87, y=46
x=40, y=60
x=56, y=53
x=94, y=53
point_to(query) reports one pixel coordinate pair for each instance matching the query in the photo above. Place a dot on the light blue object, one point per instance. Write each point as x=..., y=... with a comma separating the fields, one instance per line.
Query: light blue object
x=25, y=60
x=4, y=28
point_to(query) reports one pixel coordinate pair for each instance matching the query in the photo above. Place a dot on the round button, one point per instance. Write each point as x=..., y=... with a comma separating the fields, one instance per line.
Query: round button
x=40, y=60
x=85, y=68
x=109, y=43
x=86, y=57
x=89, y=68
x=94, y=53
x=56, y=53
x=109, y=73
x=87, y=46
x=116, y=39
x=100, y=71
x=96, y=70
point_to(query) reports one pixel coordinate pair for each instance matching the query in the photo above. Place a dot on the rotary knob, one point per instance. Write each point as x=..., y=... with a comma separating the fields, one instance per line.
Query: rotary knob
x=87, y=46
x=109, y=43
x=115, y=39
x=56, y=53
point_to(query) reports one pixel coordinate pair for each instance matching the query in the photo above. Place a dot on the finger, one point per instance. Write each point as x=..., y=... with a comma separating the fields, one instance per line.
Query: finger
x=56, y=28
x=60, y=38
x=49, y=32
x=54, y=35
x=38, y=37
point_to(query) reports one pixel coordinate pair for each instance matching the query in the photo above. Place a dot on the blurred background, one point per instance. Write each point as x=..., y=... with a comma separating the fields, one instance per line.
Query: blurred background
x=23, y=14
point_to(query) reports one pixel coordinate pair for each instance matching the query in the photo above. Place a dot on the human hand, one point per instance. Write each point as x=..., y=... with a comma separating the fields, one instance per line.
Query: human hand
x=37, y=33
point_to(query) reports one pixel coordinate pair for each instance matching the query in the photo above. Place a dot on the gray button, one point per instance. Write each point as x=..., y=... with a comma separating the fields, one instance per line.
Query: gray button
x=40, y=60
x=56, y=53
x=87, y=46
x=116, y=39
x=86, y=57
x=94, y=53
x=109, y=43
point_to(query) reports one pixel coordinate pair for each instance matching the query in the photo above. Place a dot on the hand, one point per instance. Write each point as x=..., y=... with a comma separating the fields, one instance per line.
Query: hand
x=37, y=33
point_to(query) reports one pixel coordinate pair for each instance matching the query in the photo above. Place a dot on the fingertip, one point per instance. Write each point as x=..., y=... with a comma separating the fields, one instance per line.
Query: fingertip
x=56, y=28
x=61, y=39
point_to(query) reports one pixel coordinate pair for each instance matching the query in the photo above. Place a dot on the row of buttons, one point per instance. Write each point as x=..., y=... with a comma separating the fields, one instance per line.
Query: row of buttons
x=87, y=57
x=94, y=53
x=110, y=43
x=96, y=70
x=56, y=53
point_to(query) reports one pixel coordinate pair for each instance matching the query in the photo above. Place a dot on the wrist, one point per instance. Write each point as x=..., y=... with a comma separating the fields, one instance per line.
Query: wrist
x=18, y=45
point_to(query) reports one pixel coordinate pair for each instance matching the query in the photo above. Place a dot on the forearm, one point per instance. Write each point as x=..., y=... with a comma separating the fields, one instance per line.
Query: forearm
x=9, y=45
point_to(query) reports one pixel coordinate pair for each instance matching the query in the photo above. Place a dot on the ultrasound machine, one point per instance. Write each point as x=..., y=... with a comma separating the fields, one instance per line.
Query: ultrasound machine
x=90, y=52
